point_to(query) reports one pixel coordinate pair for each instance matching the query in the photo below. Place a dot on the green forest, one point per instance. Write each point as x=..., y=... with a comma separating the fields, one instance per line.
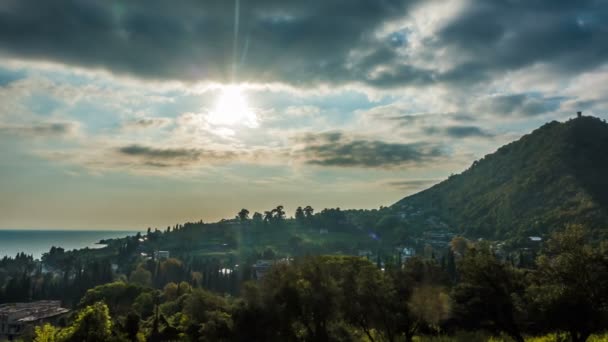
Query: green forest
x=553, y=176
x=468, y=294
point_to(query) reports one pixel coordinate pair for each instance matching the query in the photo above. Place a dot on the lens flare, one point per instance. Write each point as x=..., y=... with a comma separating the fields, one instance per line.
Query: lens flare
x=232, y=109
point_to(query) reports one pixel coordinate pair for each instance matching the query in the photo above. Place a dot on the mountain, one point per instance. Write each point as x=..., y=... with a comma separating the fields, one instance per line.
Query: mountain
x=556, y=175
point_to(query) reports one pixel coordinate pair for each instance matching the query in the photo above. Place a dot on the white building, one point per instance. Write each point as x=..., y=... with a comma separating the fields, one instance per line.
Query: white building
x=15, y=317
x=159, y=255
x=407, y=253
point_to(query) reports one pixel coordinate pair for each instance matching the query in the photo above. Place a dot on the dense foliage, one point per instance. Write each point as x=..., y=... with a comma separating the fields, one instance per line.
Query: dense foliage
x=342, y=298
x=554, y=176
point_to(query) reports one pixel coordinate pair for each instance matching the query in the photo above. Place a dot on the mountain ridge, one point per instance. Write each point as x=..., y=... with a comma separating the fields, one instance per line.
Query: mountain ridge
x=551, y=177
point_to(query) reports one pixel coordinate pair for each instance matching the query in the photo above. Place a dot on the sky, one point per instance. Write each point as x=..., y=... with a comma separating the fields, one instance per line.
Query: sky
x=134, y=114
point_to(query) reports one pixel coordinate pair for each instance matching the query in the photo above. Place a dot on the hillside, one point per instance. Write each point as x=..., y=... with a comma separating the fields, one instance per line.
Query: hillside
x=556, y=175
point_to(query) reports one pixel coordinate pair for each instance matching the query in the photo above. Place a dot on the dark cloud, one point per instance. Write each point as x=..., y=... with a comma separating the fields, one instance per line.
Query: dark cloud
x=147, y=123
x=413, y=119
x=519, y=104
x=503, y=35
x=465, y=131
x=336, y=149
x=413, y=184
x=303, y=42
x=458, y=131
x=290, y=41
x=42, y=130
x=169, y=157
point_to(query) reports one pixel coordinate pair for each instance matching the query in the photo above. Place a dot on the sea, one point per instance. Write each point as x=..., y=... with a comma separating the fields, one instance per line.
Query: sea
x=37, y=242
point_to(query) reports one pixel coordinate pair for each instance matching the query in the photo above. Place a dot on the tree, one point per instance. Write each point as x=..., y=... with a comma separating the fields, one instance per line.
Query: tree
x=430, y=304
x=257, y=217
x=279, y=213
x=459, y=245
x=170, y=291
x=218, y=326
x=299, y=215
x=571, y=283
x=199, y=307
x=132, y=326
x=489, y=294
x=397, y=316
x=268, y=216
x=118, y=296
x=183, y=288
x=308, y=211
x=46, y=333
x=144, y=304
x=243, y=215
x=368, y=295
x=141, y=276
x=93, y=324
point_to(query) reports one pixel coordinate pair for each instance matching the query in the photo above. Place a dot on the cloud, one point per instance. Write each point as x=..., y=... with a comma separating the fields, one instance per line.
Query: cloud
x=337, y=149
x=421, y=118
x=412, y=184
x=518, y=104
x=458, y=132
x=8, y=76
x=284, y=41
x=500, y=36
x=302, y=111
x=465, y=131
x=172, y=157
x=378, y=44
x=147, y=123
x=42, y=130
x=100, y=156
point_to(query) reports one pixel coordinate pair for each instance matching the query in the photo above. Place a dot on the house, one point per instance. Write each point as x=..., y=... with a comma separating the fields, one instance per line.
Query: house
x=15, y=317
x=159, y=255
x=261, y=267
x=407, y=253
x=323, y=231
x=535, y=238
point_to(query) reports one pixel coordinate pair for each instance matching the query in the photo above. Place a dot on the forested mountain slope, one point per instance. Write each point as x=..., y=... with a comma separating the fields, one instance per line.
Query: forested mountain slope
x=556, y=175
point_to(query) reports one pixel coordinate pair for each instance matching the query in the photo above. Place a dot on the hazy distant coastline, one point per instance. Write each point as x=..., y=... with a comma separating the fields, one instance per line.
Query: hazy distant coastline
x=35, y=242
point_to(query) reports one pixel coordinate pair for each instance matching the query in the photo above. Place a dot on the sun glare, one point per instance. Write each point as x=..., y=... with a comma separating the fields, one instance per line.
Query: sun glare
x=232, y=109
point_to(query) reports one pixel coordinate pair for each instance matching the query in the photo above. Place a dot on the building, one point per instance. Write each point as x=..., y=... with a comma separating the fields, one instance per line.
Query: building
x=261, y=267
x=407, y=253
x=159, y=255
x=15, y=317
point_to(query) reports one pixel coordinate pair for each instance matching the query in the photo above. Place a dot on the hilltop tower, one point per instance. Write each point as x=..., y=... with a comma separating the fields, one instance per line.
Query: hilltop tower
x=579, y=114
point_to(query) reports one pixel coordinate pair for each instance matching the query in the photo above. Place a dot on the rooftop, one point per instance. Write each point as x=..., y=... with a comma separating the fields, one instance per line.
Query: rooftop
x=31, y=312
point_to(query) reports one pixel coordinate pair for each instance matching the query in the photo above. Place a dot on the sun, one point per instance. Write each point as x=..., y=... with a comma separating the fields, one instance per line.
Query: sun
x=232, y=109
